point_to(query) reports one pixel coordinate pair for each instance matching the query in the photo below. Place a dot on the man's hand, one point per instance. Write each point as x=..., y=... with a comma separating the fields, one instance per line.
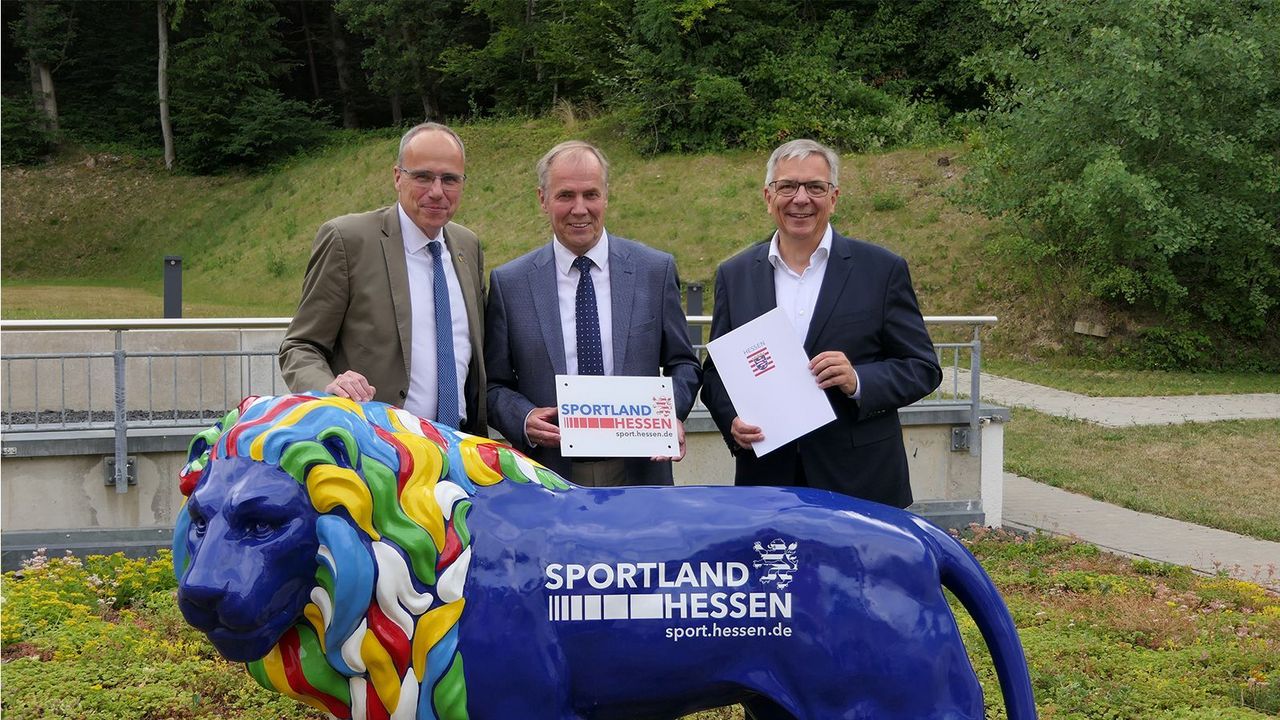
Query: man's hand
x=673, y=458
x=833, y=369
x=540, y=427
x=351, y=384
x=745, y=435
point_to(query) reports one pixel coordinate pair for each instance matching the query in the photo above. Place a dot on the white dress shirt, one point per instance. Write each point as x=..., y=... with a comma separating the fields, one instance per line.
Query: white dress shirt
x=797, y=293
x=567, y=293
x=422, y=399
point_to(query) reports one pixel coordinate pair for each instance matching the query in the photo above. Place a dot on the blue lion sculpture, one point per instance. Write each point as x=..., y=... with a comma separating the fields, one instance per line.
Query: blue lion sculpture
x=354, y=555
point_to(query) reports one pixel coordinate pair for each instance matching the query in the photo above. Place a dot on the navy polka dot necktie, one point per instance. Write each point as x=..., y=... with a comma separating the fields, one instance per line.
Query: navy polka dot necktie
x=446, y=372
x=590, y=353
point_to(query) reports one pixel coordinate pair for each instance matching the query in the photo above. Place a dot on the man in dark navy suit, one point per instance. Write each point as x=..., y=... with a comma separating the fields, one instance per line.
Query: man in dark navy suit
x=852, y=306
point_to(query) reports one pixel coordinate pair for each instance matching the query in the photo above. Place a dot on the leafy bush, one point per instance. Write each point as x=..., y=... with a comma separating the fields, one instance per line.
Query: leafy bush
x=704, y=76
x=225, y=112
x=1159, y=348
x=27, y=139
x=1141, y=141
x=258, y=129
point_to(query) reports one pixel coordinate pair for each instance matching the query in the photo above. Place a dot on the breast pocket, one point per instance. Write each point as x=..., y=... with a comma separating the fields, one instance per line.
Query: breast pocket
x=644, y=328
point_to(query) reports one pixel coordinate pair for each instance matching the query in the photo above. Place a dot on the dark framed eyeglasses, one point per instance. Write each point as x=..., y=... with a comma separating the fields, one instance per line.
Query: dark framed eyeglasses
x=426, y=178
x=813, y=188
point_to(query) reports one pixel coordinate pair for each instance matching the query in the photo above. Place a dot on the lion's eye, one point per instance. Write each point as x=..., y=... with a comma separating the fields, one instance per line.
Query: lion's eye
x=263, y=529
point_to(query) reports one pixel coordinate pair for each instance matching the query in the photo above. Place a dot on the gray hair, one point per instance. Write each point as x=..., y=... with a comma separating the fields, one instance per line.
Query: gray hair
x=799, y=150
x=420, y=128
x=570, y=147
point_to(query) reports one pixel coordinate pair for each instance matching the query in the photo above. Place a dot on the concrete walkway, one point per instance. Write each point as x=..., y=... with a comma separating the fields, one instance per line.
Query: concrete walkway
x=1031, y=505
x=1125, y=411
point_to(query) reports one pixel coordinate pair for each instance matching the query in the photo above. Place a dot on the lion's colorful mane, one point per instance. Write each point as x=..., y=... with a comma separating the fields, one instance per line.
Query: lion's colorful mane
x=379, y=637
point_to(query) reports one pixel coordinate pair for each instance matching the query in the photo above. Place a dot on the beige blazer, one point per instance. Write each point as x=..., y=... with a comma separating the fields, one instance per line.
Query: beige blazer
x=355, y=311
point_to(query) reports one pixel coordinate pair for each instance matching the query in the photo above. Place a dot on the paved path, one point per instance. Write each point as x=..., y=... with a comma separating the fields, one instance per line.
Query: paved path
x=1032, y=505
x=1126, y=411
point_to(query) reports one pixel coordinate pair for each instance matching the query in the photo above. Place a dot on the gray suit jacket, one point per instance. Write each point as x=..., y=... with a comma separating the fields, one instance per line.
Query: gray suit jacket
x=355, y=310
x=524, y=348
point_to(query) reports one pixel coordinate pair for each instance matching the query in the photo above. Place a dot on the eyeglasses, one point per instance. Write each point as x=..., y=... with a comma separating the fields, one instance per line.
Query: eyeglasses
x=813, y=188
x=426, y=178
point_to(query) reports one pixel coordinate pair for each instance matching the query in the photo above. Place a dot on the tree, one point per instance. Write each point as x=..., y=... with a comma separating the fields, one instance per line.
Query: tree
x=45, y=31
x=407, y=40
x=226, y=111
x=1141, y=142
x=162, y=81
x=537, y=52
x=707, y=74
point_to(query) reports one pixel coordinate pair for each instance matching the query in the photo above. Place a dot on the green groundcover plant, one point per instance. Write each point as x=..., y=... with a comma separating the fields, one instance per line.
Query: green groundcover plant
x=101, y=638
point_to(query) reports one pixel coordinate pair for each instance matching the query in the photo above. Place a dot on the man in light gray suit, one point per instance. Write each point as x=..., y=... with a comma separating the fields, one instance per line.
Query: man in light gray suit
x=391, y=303
x=587, y=303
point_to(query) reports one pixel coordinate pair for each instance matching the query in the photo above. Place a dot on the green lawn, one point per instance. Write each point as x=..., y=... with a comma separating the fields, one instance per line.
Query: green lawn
x=1224, y=474
x=1081, y=377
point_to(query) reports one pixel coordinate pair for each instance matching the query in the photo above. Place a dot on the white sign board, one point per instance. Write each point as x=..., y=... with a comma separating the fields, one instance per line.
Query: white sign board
x=611, y=416
x=766, y=372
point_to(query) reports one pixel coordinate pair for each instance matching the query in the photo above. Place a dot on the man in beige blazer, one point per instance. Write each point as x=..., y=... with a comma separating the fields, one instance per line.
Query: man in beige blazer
x=373, y=323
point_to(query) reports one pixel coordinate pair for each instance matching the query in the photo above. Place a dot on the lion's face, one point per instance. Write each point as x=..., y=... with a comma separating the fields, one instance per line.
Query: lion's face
x=252, y=546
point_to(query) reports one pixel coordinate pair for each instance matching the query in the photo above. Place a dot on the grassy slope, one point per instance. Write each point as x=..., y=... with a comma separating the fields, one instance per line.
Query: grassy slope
x=246, y=240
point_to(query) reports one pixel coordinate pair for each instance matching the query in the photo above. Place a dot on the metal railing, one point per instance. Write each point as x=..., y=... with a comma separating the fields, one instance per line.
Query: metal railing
x=951, y=356
x=195, y=387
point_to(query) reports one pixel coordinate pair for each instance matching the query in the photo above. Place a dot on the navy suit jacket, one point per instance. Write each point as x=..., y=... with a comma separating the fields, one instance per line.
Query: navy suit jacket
x=524, y=341
x=867, y=309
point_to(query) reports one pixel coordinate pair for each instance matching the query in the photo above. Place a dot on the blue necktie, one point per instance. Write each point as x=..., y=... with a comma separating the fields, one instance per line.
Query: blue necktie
x=590, y=354
x=446, y=371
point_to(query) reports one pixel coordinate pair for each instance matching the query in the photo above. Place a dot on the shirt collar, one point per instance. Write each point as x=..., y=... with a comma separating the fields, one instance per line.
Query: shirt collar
x=415, y=241
x=822, y=252
x=564, y=257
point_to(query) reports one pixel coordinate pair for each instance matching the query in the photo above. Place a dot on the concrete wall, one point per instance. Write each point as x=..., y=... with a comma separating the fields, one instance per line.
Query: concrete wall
x=160, y=383
x=53, y=493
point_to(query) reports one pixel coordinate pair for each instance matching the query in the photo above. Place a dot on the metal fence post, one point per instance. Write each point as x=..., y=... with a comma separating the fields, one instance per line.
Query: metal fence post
x=121, y=418
x=173, y=286
x=693, y=306
x=975, y=400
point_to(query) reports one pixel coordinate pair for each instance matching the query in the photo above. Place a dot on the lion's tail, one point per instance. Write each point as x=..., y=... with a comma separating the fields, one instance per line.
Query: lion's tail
x=963, y=576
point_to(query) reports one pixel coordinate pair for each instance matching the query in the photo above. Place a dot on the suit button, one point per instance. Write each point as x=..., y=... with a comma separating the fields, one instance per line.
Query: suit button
x=401, y=394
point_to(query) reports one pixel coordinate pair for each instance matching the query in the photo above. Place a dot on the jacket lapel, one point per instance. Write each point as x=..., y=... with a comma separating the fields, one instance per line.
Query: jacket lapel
x=765, y=298
x=622, y=288
x=398, y=276
x=834, y=281
x=546, y=303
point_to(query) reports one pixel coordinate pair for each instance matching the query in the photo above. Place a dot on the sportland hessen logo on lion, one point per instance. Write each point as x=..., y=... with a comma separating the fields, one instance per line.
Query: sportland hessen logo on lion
x=679, y=591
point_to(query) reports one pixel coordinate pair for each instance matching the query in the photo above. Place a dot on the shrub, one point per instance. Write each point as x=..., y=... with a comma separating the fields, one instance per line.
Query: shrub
x=225, y=112
x=1141, y=142
x=259, y=129
x=1159, y=348
x=704, y=76
x=27, y=139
